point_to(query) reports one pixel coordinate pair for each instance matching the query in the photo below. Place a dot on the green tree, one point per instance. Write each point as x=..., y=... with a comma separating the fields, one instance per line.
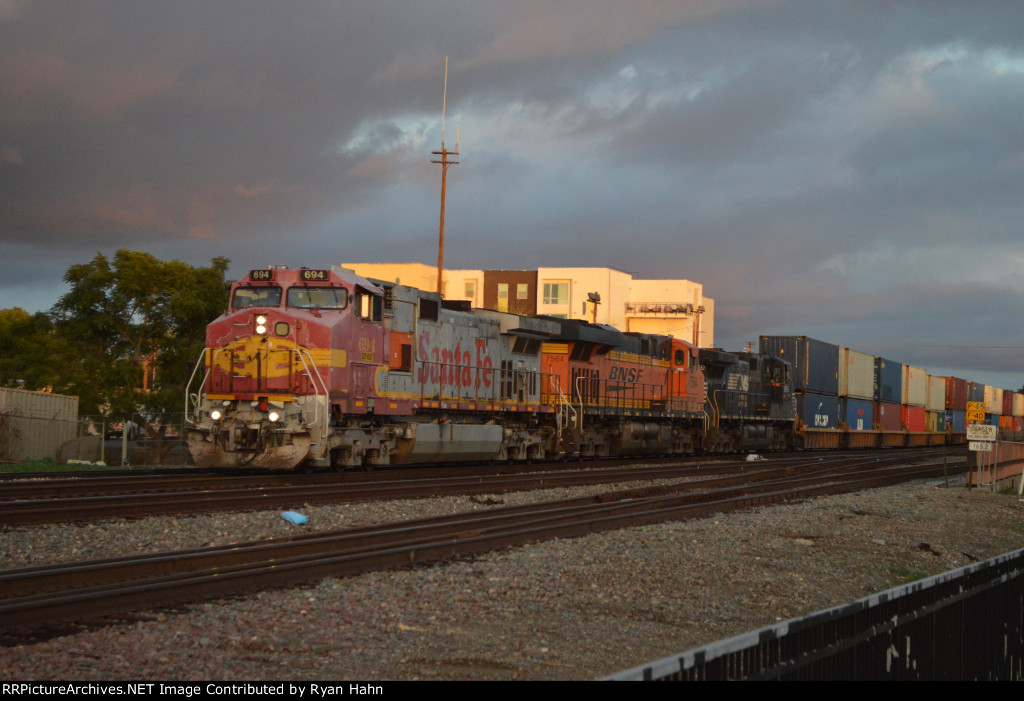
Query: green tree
x=26, y=344
x=131, y=327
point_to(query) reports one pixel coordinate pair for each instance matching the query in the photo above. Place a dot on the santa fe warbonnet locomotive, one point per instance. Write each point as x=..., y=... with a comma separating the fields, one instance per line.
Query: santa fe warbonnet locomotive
x=329, y=368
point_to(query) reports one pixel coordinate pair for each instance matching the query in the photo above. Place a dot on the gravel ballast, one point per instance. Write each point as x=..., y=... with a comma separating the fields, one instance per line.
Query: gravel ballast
x=569, y=609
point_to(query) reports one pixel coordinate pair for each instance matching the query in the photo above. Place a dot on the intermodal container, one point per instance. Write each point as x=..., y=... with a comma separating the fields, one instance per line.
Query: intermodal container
x=856, y=374
x=1018, y=404
x=887, y=416
x=1007, y=403
x=914, y=418
x=936, y=421
x=814, y=365
x=975, y=392
x=915, y=386
x=1006, y=422
x=888, y=380
x=956, y=393
x=956, y=419
x=936, y=394
x=992, y=419
x=857, y=414
x=818, y=410
x=993, y=400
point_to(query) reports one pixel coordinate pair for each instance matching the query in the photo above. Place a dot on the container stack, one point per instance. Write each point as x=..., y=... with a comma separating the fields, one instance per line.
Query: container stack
x=1018, y=417
x=915, y=397
x=856, y=389
x=1011, y=409
x=993, y=405
x=841, y=388
x=888, y=395
x=956, y=404
x=935, y=405
x=814, y=368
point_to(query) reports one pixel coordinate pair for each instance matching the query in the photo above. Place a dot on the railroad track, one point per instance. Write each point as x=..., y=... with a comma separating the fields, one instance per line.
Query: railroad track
x=52, y=596
x=34, y=502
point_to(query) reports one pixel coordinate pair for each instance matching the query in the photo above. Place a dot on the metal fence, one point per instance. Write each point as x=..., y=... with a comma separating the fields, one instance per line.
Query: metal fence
x=963, y=624
x=129, y=440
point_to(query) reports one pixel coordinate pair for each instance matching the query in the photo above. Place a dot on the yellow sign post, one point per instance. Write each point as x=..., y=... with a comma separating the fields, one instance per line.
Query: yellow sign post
x=975, y=411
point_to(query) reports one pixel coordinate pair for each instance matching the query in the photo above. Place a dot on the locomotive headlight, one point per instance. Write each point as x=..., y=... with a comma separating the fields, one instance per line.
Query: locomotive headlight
x=273, y=416
x=215, y=414
x=261, y=324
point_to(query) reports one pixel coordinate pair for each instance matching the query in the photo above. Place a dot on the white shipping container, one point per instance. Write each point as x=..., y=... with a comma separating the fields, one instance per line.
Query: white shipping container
x=993, y=400
x=1018, y=404
x=936, y=394
x=856, y=374
x=915, y=386
x=33, y=425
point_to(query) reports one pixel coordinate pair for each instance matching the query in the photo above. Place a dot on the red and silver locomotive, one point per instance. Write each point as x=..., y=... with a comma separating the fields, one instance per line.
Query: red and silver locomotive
x=329, y=368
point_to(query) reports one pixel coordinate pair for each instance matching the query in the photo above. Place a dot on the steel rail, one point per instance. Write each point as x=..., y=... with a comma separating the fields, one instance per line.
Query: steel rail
x=210, y=493
x=121, y=584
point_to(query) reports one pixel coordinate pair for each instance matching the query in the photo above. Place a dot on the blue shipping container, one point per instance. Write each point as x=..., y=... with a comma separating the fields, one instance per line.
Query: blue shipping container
x=813, y=365
x=818, y=410
x=858, y=414
x=956, y=419
x=888, y=381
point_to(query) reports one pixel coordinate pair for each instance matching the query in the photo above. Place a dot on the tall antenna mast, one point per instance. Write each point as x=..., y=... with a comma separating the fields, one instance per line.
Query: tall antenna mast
x=444, y=154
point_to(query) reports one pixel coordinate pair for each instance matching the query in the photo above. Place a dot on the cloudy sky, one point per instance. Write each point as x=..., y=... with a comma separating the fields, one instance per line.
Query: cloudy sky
x=851, y=171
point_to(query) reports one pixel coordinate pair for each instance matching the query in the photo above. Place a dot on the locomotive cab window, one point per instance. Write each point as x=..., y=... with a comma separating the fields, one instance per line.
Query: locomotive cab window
x=369, y=306
x=318, y=297
x=245, y=297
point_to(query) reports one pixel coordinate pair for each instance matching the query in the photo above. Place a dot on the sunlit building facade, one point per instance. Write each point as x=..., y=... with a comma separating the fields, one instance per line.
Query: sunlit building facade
x=601, y=295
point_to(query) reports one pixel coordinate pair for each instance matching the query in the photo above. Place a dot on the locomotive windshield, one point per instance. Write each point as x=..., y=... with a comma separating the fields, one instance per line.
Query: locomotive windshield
x=245, y=297
x=318, y=297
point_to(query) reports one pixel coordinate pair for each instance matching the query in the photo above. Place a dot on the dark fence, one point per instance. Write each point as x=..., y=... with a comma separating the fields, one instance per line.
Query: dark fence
x=138, y=440
x=963, y=624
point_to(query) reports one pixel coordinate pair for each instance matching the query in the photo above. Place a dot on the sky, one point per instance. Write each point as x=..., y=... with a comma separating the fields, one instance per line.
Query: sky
x=850, y=170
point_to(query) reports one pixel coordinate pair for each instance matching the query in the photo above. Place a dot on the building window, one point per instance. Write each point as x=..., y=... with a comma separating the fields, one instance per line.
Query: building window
x=556, y=293
x=522, y=290
x=470, y=289
x=502, y=296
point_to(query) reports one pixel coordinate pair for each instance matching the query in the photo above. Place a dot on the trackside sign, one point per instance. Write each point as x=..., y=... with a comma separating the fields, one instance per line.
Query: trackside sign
x=981, y=432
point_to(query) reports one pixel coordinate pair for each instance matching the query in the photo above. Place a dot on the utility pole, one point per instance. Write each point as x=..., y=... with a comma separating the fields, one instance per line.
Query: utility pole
x=444, y=154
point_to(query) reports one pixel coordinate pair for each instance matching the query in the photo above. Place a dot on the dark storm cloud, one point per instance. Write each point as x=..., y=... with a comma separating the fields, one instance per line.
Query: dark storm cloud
x=849, y=170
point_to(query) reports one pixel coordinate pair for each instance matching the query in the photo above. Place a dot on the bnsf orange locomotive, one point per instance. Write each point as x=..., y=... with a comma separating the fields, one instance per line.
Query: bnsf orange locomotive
x=329, y=368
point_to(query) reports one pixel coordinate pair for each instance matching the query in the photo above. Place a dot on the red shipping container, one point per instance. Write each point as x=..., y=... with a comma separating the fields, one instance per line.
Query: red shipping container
x=956, y=394
x=887, y=416
x=1007, y=402
x=1006, y=422
x=915, y=418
